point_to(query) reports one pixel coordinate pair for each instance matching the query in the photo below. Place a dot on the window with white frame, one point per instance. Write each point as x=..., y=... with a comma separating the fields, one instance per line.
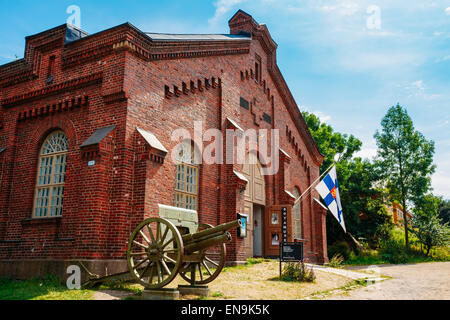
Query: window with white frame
x=186, y=177
x=297, y=215
x=51, y=176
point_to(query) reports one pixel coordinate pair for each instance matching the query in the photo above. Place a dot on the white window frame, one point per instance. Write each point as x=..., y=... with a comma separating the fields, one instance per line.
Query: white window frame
x=51, y=176
x=186, y=177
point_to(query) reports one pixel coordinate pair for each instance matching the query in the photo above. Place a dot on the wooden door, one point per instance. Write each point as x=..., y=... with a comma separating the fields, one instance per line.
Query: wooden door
x=255, y=191
x=273, y=229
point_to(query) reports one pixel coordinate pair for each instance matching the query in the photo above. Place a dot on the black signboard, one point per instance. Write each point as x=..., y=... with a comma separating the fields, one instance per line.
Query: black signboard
x=291, y=251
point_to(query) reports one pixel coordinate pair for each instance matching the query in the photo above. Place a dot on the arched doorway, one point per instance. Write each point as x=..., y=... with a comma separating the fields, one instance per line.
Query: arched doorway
x=255, y=201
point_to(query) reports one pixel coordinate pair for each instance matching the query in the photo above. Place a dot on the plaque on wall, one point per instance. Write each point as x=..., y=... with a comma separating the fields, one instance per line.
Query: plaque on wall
x=242, y=230
x=275, y=219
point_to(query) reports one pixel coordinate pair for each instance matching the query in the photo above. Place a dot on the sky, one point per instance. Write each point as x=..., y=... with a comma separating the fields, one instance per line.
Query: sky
x=347, y=61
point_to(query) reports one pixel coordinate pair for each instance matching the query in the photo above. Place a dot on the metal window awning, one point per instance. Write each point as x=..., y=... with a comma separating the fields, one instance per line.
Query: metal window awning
x=240, y=176
x=151, y=140
x=97, y=136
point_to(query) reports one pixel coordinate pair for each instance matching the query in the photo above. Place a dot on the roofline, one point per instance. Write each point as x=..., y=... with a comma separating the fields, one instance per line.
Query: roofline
x=290, y=100
x=45, y=31
x=240, y=11
x=246, y=37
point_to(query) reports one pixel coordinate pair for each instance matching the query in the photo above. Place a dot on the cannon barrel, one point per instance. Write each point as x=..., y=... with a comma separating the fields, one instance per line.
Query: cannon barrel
x=208, y=242
x=207, y=233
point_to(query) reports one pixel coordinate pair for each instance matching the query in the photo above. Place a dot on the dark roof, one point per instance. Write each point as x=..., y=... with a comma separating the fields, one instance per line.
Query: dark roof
x=196, y=37
x=98, y=136
x=74, y=34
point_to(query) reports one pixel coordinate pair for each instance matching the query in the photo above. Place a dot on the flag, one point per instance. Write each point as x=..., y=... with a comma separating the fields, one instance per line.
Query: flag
x=328, y=189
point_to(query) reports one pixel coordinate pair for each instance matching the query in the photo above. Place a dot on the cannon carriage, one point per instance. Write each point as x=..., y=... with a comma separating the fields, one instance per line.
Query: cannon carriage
x=174, y=243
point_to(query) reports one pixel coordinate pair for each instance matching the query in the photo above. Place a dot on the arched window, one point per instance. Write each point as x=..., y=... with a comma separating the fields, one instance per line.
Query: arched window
x=297, y=215
x=186, y=177
x=51, y=176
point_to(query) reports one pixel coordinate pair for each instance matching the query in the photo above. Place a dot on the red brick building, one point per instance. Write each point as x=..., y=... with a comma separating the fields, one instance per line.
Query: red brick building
x=398, y=214
x=85, y=143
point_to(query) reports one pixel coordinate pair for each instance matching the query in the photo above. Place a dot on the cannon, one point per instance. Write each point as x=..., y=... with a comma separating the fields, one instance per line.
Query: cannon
x=174, y=243
x=158, y=252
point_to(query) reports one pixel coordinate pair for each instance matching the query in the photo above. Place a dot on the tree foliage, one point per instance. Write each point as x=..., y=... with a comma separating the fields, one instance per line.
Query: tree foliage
x=356, y=183
x=444, y=211
x=330, y=142
x=405, y=158
x=427, y=225
x=430, y=231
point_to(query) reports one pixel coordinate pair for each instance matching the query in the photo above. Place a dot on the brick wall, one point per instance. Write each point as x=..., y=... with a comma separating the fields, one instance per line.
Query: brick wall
x=119, y=77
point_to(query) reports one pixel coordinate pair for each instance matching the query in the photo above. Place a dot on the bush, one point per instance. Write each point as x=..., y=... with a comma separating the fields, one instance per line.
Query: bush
x=298, y=272
x=336, y=261
x=340, y=247
x=393, y=252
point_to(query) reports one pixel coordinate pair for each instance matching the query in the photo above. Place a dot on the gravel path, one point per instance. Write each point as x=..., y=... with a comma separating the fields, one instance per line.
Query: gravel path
x=424, y=281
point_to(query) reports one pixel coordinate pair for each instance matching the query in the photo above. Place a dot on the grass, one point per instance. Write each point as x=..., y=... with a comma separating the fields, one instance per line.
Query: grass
x=413, y=255
x=122, y=286
x=49, y=288
x=250, y=262
x=393, y=251
x=258, y=279
x=349, y=286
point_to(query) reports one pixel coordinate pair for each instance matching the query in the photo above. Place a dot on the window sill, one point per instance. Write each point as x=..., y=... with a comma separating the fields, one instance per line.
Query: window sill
x=38, y=221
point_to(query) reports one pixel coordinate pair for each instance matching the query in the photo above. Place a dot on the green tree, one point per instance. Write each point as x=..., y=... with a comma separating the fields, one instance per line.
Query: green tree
x=356, y=183
x=405, y=158
x=330, y=142
x=430, y=231
x=427, y=225
x=444, y=211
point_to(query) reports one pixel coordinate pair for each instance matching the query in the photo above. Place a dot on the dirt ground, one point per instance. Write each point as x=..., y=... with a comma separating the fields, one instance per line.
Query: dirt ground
x=261, y=282
x=424, y=281
x=257, y=282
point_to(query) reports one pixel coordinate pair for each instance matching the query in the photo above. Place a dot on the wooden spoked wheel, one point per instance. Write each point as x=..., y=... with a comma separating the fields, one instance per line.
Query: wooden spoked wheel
x=205, y=264
x=155, y=252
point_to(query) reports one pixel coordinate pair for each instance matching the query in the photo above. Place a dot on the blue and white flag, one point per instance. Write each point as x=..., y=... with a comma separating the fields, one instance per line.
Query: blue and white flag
x=328, y=189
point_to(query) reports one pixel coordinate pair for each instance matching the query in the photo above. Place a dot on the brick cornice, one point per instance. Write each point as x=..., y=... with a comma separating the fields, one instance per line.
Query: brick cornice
x=37, y=94
x=129, y=38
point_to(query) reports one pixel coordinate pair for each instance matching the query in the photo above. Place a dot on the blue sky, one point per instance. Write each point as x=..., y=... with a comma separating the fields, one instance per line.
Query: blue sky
x=346, y=60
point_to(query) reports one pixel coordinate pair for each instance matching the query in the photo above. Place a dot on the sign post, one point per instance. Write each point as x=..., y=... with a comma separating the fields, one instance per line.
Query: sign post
x=289, y=251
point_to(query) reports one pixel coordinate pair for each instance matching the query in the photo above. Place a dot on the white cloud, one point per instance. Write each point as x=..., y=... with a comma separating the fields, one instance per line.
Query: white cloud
x=366, y=153
x=445, y=58
x=441, y=183
x=222, y=8
x=343, y=7
x=322, y=116
x=447, y=11
x=417, y=89
x=319, y=114
x=363, y=61
x=419, y=85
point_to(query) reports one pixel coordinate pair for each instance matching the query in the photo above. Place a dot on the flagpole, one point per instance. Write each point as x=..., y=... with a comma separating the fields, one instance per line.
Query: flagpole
x=320, y=177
